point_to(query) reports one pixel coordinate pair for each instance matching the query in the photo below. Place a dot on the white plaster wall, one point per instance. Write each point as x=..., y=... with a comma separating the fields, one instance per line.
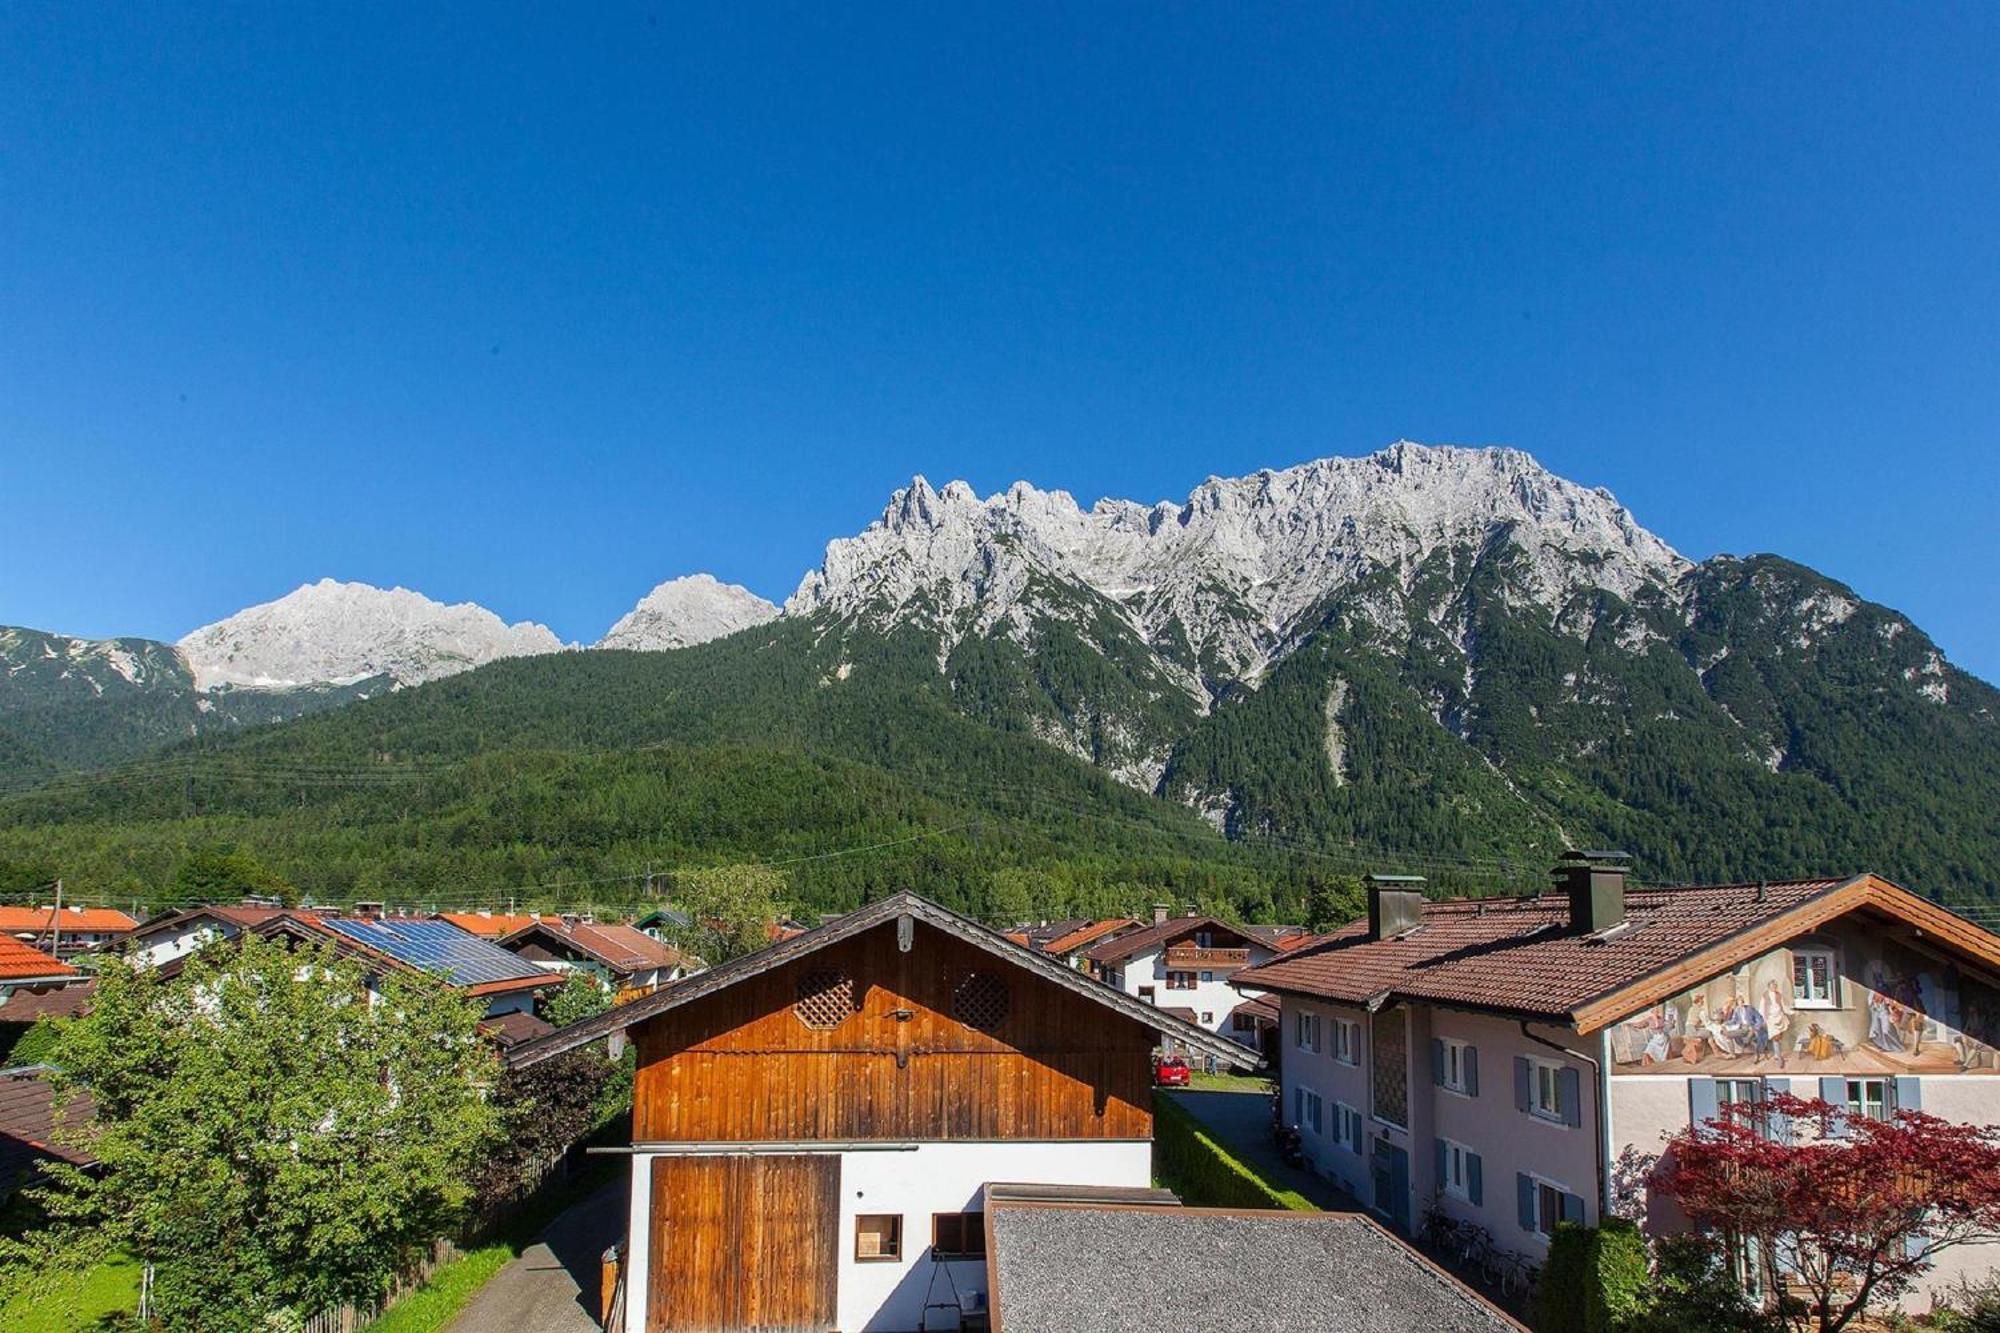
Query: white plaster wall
x=179, y=942
x=916, y=1182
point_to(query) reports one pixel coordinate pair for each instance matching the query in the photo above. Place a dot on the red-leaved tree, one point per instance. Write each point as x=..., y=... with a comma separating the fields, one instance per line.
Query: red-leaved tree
x=1856, y=1210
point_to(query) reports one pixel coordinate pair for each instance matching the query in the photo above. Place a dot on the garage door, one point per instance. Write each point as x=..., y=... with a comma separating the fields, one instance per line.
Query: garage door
x=743, y=1243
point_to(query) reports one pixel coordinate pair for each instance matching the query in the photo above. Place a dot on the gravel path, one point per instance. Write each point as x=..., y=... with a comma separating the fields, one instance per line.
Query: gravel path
x=552, y=1287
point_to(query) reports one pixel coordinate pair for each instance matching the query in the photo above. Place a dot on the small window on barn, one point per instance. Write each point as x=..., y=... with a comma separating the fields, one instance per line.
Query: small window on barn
x=825, y=999
x=980, y=1002
x=958, y=1235
x=878, y=1237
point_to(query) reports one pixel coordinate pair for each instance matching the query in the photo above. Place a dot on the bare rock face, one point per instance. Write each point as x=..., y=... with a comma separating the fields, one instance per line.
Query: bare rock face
x=337, y=633
x=686, y=611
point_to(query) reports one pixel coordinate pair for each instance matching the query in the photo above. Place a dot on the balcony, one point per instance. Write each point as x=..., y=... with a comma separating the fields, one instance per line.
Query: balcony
x=1183, y=956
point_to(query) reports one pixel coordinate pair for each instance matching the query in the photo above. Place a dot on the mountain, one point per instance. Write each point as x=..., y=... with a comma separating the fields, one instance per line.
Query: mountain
x=1442, y=660
x=339, y=633
x=686, y=611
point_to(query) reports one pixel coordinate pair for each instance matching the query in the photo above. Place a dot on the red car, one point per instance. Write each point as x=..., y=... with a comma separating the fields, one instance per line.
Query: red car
x=1170, y=1072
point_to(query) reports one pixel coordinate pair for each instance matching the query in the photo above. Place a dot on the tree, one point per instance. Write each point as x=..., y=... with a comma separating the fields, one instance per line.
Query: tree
x=544, y=1110
x=734, y=908
x=269, y=1139
x=1855, y=1212
x=217, y=874
x=582, y=996
x=1332, y=901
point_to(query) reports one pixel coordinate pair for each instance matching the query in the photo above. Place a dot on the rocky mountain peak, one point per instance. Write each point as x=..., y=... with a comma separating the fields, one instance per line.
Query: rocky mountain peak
x=337, y=633
x=688, y=610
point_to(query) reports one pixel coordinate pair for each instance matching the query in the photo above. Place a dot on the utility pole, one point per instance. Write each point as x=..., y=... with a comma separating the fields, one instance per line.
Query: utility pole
x=55, y=924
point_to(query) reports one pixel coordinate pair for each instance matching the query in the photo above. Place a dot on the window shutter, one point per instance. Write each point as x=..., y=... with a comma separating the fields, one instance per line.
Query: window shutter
x=1573, y=1208
x=1437, y=1062
x=1572, y=1097
x=1786, y=1253
x=1474, y=1187
x=1523, y=1078
x=1469, y=1067
x=1702, y=1102
x=1524, y=1198
x=1777, y=1126
x=1909, y=1093
x=1833, y=1091
x=1438, y=1160
x=1354, y=1131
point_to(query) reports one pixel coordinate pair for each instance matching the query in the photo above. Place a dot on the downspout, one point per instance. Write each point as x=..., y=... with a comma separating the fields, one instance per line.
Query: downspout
x=1601, y=1069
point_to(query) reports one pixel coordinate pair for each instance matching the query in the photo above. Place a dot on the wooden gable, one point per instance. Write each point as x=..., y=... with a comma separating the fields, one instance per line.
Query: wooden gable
x=862, y=1040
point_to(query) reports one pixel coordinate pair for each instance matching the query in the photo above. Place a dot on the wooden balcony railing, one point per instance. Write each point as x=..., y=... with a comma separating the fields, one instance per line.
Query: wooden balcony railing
x=1189, y=955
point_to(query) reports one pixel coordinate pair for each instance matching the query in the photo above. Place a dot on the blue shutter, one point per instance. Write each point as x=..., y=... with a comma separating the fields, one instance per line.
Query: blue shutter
x=1475, y=1187
x=1354, y=1130
x=1469, y=1067
x=1909, y=1093
x=1298, y=1105
x=1438, y=1160
x=1524, y=1198
x=1572, y=1096
x=1833, y=1091
x=1777, y=1126
x=1701, y=1102
x=1523, y=1074
x=1786, y=1254
x=1573, y=1208
x=1437, y=1062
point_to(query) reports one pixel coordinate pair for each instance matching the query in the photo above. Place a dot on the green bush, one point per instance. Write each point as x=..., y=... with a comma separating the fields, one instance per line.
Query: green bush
x=1595, y=1280
x=1973, y=1308
x=1193, y=1165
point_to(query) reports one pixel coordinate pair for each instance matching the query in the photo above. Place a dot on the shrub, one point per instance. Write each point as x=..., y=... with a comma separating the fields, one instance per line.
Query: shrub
x=1193, y=1165
x=1595, y=1281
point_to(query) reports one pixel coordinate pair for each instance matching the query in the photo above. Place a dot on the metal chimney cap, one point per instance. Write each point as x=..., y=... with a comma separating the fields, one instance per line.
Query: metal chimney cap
x=1398, y=881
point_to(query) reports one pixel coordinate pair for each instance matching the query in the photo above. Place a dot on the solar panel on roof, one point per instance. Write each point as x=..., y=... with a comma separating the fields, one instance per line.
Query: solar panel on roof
x=439, y=946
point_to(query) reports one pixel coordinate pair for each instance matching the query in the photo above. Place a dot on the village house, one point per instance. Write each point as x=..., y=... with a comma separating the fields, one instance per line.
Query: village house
x=66, y=931
x=820, y=1128
x=625, y=959
x=1514, y=1061
x=1185, y=965
x=506, y=984
x=27, y=969
x=488, y=924
x=1069, y=942
x=37, y=1124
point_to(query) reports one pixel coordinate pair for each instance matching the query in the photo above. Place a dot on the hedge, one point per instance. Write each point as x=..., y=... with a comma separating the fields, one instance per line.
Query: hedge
x=1596, y=1277
x=1193, y=1165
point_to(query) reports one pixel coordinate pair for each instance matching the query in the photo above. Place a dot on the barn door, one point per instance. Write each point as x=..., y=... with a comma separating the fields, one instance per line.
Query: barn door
x=743, y=1243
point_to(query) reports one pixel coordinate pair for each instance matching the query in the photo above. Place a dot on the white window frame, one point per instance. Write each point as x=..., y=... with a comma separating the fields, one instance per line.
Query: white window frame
x=1454, y=1065
x=1306, y=1032
x=1887, y=1101
x=1457, y=1178
x=1347, y=1041
x=1544, y=1224
x=1546, y=1075
x=1802, y=956
x=1314, y=1119
x=1347, y=1124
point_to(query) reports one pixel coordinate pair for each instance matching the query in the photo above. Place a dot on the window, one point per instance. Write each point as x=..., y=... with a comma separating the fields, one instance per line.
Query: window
x=1813, y=979
x=1347, y=1041
x=1314, y=1109
x=1454, y=1071
x=1207, y=977
x=1208, y=1018
x=1180, y=981
x=1347, y=1126
x=1204, y=939
x=1242, y=1023
x=824, y=999
x=1389, y=1056
x=1455, y=1169
x=878, y=1237
x=1746, y=1266
x=1146, y=993
x=1734, y=1098
x=1548, y=1207
x=1306, y=1031
x=958, y=1235
x=1869, y=1097
x=1548, y=1099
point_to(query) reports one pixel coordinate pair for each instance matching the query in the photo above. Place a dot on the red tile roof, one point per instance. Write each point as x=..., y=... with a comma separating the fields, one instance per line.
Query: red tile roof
x=1516, y=955
x=1120, y=947
x=1259, y=1006
x=19, y=962
x=41, y=920
x=624, y=949
x=1088, y=933
x=492, y=925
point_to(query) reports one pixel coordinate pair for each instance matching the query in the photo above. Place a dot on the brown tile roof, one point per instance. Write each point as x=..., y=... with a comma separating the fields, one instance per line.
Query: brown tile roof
x=26, y=1006
x=40, y=920
x=19, y=962
x=624, y=949
x=1259, y=1006
x=1120, y=947
x=509, y=1030
x=1515, y=955
x=1088, y=933
x=28, y=1124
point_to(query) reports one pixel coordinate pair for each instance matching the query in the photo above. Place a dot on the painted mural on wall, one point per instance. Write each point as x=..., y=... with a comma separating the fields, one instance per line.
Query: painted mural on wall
x=1842, y=1003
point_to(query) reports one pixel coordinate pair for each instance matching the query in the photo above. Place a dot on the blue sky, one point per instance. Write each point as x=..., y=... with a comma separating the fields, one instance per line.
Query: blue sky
x=538, y=308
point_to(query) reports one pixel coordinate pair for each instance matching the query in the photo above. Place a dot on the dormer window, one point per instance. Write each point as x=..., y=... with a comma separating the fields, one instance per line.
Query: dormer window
x=1815, y=980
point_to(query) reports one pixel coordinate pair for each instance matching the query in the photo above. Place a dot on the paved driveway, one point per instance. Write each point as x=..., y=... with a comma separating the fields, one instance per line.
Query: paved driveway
x=552, y=1287
x=1241, y=1122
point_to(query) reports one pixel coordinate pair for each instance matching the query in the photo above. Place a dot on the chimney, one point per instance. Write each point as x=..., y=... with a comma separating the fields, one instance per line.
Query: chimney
x=1595, y=883
x=1160, y=911
x=368, y=911
x=1395, y=904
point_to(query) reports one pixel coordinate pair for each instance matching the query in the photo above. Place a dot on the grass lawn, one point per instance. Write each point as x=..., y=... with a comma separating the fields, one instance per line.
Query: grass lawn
x=1201, y=1082
x=109, y=1287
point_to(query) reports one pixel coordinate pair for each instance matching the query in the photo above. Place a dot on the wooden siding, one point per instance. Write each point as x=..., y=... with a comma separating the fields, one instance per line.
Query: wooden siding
x=739, y=1065
x=743, y=1243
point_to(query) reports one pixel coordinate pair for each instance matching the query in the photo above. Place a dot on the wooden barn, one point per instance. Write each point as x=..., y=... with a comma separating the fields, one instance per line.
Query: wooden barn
x=815, y=1125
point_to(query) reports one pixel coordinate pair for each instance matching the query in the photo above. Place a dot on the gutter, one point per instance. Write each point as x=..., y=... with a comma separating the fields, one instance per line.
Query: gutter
x=1602, y=1071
